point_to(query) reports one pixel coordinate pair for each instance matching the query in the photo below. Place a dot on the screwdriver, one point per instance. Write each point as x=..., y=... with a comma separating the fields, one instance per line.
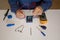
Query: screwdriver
x=43, y=27
x=41, y=32
x=42, y=18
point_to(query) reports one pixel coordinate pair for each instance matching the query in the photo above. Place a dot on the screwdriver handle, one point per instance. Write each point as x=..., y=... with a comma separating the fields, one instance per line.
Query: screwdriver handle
x=42, y=18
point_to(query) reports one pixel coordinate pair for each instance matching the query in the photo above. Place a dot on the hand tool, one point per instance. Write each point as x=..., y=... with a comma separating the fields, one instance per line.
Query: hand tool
x=41, y=32
x=43, y=27
x=42, y=18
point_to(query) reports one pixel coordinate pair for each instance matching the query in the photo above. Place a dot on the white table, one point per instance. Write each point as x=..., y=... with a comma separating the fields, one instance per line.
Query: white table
x=9, y=33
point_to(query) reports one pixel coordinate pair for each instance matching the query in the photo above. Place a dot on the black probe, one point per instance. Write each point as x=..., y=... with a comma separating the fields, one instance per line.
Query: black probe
x=6, y=14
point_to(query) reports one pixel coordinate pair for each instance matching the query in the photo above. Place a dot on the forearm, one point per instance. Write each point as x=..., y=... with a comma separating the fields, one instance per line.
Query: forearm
x=46, y=4
x=13, y=5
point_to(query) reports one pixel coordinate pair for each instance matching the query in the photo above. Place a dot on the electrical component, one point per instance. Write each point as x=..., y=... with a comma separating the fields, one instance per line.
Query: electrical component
x=29, y=19
x=30, y=31
x=20, y=28
x=6, y=14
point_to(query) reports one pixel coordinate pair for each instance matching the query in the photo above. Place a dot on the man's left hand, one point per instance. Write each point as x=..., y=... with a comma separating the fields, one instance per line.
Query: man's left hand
x=37, y=11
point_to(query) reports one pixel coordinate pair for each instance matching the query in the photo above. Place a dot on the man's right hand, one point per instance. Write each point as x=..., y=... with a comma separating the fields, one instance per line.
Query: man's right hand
x=20, y=14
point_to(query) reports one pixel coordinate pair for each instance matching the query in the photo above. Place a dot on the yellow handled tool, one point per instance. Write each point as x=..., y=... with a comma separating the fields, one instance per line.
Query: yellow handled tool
x=42, y=18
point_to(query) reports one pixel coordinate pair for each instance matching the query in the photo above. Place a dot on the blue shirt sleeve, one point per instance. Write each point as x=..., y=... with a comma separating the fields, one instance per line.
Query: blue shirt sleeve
x=13, y=5
x=46, y=4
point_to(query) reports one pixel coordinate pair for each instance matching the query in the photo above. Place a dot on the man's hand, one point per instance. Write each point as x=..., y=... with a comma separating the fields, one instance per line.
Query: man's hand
x=37, y=11
x=20, y=14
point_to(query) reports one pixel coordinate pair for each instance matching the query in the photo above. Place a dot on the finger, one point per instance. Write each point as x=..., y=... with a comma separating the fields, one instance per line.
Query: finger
x=40, y=12
x=20, y=16
x=34, y=14
x=22, y=13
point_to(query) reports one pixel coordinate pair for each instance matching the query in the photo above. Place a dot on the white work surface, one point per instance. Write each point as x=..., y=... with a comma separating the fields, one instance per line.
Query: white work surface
x=9, y=33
